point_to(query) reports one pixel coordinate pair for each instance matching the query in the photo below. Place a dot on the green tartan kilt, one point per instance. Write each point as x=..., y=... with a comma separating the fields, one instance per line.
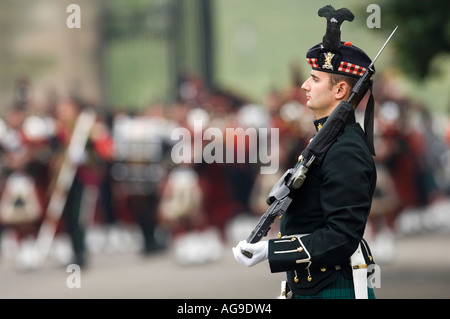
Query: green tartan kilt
x=342, y=288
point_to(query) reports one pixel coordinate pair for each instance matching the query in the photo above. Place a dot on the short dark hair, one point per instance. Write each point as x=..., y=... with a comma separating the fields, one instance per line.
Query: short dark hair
x=336, y=78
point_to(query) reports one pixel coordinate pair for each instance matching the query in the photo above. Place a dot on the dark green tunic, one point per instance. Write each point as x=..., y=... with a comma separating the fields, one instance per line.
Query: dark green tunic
x=330, y=210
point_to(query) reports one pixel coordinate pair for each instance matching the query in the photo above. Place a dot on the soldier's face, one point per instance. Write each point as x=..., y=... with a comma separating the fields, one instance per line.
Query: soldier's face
x=320, y=96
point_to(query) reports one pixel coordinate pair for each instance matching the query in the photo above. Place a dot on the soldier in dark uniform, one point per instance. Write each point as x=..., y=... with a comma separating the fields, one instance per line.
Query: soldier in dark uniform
x=321, y=233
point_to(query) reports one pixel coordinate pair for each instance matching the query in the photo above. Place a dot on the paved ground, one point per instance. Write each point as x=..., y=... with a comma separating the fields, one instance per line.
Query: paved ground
x=421, y=269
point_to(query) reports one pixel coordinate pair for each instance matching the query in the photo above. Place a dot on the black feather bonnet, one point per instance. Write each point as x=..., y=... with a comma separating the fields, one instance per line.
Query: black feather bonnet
x=333, y=55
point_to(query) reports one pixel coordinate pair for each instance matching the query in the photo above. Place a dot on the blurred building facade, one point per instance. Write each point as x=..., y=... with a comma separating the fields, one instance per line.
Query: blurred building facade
x=124, y=54
x=39, y=49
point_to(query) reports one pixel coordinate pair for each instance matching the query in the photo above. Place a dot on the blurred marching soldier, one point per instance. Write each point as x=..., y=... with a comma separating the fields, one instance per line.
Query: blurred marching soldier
x=82, y=190
x=138, y=171
x=66, y=113
x=20, y=197
x=324, y=225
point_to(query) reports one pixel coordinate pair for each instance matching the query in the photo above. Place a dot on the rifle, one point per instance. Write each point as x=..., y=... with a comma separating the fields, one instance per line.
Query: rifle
x=279, y=197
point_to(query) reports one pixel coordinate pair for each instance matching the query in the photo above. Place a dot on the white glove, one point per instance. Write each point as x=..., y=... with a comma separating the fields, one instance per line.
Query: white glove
x=260, y=251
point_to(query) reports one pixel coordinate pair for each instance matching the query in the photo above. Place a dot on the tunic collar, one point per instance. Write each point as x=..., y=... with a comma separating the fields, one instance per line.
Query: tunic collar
x=320, y=122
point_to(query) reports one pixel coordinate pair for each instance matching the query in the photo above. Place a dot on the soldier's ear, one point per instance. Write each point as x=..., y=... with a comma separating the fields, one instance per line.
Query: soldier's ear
x=342, y=89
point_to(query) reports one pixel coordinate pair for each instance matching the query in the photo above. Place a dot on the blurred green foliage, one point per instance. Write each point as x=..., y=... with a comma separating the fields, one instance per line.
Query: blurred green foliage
x=137, y=18
x=423, y=34
x=259, y=40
